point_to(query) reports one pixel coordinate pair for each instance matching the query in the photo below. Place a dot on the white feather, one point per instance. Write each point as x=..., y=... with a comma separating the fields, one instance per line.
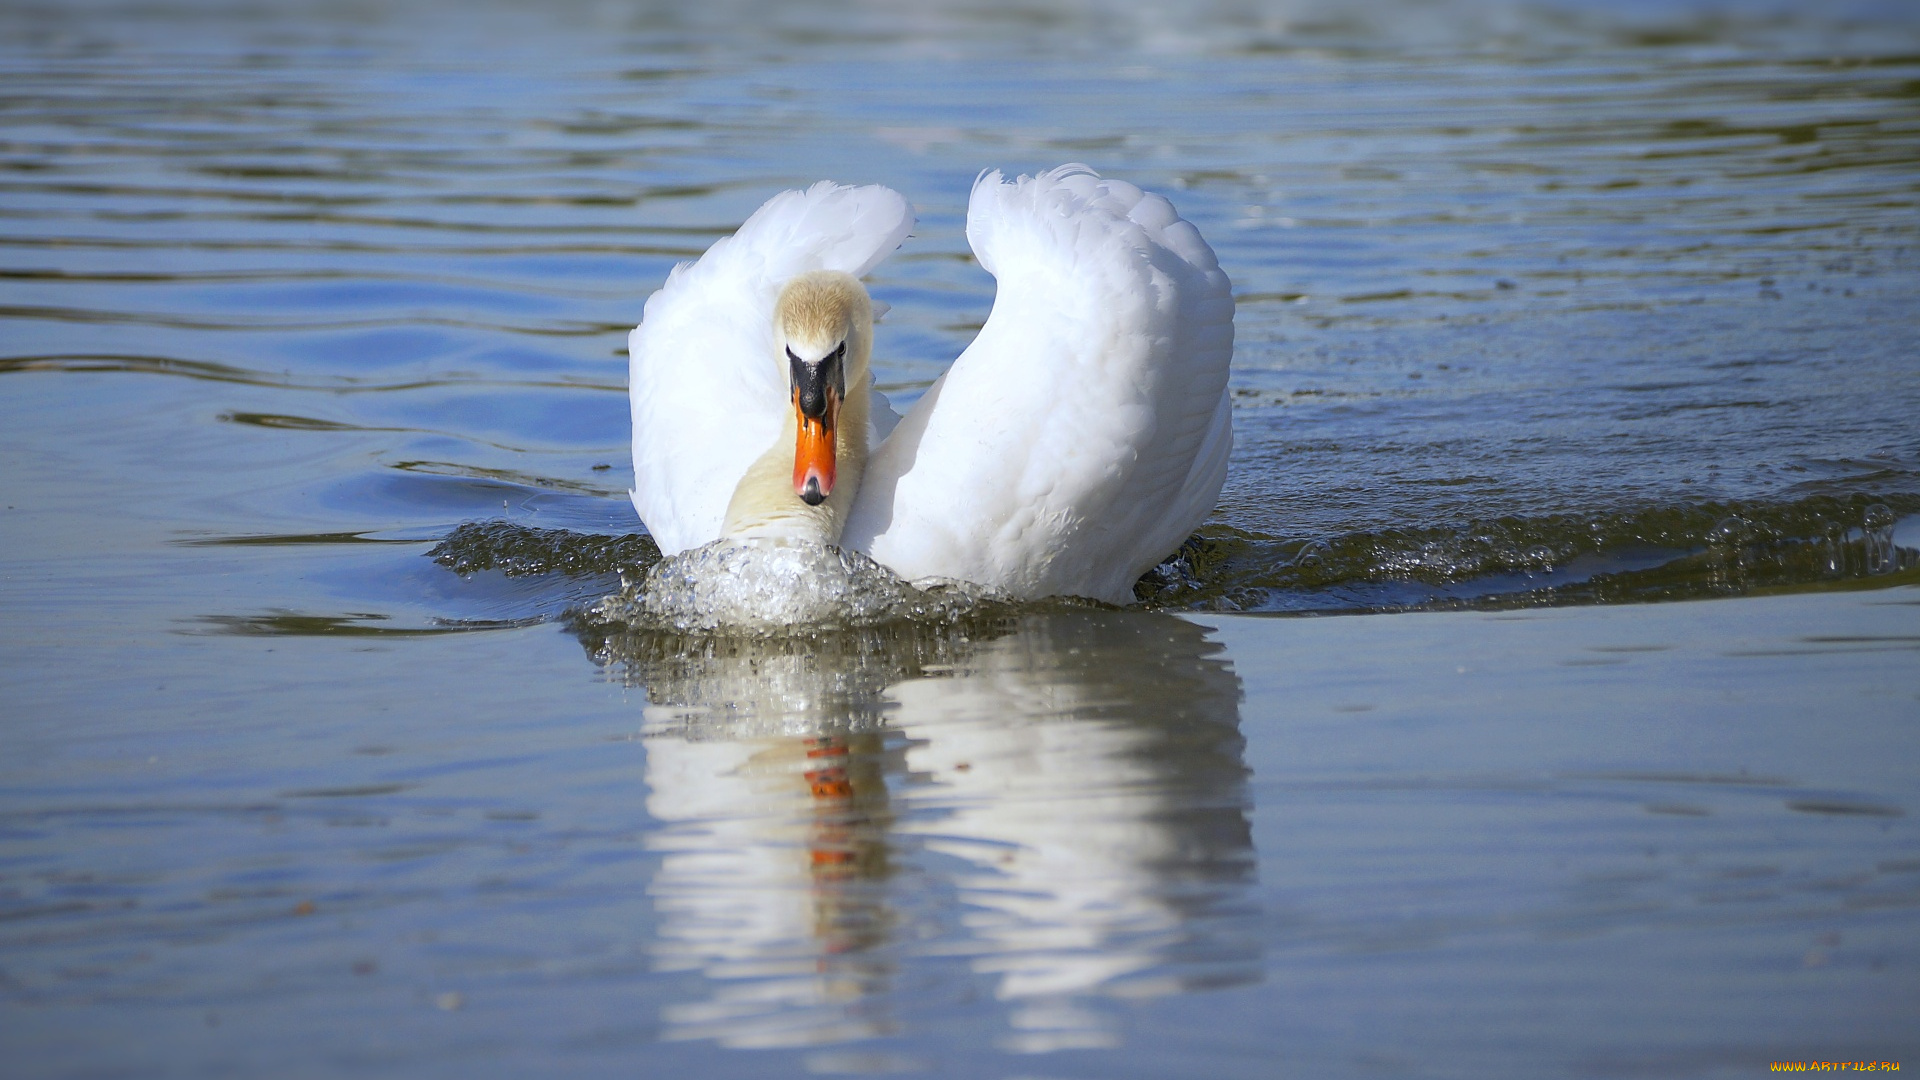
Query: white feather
x=708, y=390
x=1085, y=432
x=1081, y=437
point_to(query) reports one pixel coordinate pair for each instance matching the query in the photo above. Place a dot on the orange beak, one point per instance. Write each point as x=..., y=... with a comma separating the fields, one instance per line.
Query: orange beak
x=813, y=454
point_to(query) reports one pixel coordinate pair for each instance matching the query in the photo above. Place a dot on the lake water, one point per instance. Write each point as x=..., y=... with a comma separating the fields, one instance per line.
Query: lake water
x=1546, y=311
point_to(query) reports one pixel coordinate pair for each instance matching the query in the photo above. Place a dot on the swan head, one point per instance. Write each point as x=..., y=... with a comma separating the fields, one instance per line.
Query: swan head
x=823, y=327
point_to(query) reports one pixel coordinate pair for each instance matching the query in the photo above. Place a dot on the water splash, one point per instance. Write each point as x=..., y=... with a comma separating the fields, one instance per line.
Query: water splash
x=775, y=585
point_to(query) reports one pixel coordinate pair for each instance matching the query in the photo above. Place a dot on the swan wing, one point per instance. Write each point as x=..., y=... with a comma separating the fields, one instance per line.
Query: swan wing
x=1085, y=432
x=708, y=393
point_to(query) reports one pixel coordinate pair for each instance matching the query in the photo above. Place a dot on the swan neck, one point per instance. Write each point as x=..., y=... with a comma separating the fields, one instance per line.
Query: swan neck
x=765, y=506
x=823, y=344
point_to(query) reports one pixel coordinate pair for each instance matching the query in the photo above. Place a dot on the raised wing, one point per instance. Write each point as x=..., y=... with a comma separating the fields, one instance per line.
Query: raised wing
x=1085, y=433
x=707, y=391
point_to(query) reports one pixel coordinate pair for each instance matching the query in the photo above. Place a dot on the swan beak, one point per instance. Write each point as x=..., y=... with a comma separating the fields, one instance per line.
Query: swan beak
x=818, y=389
x=813, y=456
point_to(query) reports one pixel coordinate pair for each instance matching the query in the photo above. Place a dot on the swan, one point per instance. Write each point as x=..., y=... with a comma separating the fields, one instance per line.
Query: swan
x=1079, y=439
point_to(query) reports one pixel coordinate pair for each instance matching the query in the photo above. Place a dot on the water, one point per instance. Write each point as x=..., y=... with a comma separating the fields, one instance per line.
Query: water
x=1543, y=309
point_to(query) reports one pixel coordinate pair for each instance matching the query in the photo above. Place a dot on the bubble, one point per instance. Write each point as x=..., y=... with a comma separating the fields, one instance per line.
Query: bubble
x=1730, y=532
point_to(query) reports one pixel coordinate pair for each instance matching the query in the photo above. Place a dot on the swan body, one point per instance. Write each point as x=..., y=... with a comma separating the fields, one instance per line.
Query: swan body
x=1076, y=442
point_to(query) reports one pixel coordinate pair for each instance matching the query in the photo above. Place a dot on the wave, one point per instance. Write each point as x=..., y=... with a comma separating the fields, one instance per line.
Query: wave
x=1657, y=553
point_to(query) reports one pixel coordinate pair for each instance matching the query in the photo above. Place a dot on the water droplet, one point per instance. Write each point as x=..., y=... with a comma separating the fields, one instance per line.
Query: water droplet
x=1728, y=543
x=1876, y=526
x=1836, y=548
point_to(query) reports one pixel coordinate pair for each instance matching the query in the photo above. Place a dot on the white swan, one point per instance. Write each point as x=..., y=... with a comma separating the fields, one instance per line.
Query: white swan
x=1076, y=442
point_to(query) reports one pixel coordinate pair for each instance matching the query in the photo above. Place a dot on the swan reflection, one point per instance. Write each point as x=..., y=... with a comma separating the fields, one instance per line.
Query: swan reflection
x=855, y=827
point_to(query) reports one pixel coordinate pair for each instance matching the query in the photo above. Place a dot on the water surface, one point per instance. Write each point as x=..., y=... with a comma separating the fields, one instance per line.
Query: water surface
x=314, y=432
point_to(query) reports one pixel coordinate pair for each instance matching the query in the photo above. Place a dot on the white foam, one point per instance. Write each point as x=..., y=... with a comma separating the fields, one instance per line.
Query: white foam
x=765, y=585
